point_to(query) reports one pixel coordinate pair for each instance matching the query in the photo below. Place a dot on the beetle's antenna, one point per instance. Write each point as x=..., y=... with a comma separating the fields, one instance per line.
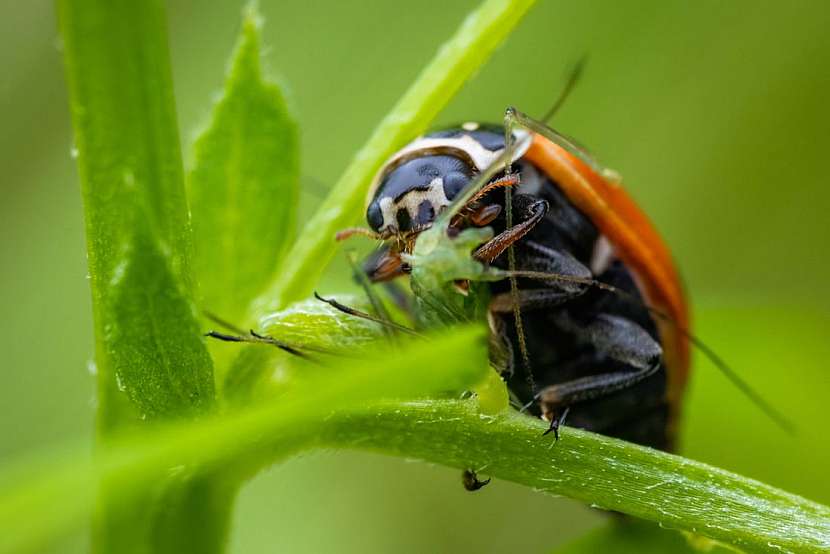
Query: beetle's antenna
x=362, y=231
x=363, y=315
x=769, y=410
x=737, y=381
x=574, y=75
x=255, y=338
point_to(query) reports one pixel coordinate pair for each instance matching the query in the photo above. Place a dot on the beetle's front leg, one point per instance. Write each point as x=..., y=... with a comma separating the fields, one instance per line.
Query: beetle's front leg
x=531, y=210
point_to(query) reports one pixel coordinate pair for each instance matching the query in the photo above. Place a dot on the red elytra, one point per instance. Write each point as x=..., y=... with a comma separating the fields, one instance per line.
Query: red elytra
x=635, y=241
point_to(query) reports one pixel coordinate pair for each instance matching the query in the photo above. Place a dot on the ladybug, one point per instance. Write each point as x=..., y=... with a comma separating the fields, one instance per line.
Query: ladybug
x=606, y=361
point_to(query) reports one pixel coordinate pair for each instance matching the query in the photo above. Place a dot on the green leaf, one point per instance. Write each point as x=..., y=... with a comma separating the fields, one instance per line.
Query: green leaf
x=46, y=496
x=244, y=184
x=153, y=338
x=312, y=326
x=458, y=59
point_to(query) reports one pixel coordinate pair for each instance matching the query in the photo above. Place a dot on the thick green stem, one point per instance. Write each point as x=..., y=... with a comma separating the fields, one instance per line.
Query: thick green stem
x=44, y=498
x=128, y=152
x=607, y=473
x=151, y=365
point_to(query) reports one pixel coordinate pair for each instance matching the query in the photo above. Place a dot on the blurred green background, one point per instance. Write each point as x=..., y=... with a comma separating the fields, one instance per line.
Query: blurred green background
x=716, y=113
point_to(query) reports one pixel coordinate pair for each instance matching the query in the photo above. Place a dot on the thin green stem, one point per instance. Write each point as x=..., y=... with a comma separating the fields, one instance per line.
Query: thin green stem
x=455, y=62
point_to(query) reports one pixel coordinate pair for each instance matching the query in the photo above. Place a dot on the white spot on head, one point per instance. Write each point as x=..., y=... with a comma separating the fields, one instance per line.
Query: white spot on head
x=470, y=126
x=387, y=208
x=411, y=201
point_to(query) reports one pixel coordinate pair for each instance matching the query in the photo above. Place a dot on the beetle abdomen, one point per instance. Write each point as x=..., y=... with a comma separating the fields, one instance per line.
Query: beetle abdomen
x=557, y=354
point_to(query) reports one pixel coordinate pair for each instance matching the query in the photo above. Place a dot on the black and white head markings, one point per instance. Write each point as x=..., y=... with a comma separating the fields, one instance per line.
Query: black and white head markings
x=422, y=179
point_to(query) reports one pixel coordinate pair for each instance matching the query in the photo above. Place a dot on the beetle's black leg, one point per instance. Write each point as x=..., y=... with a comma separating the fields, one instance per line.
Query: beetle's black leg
x=531, y=210
x=619, y=339
x=528, y=300
x=543, y=259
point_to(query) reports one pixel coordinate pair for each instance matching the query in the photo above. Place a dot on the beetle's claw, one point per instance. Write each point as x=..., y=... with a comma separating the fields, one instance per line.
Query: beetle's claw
x=554, y=427
x=555, y=423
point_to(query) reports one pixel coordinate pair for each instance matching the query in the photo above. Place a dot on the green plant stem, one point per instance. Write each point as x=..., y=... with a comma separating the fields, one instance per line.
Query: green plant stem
x=121, y=98
x=151, y=364
x=455, y=62
x=49, y=497
x=607, y=473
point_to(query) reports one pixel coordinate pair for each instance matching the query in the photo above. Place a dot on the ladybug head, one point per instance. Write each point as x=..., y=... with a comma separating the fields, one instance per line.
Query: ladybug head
x=411, y=195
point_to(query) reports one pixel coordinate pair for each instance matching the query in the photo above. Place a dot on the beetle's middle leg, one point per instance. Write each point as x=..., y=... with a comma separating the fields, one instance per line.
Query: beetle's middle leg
x=543, y=259
x=615, y=337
